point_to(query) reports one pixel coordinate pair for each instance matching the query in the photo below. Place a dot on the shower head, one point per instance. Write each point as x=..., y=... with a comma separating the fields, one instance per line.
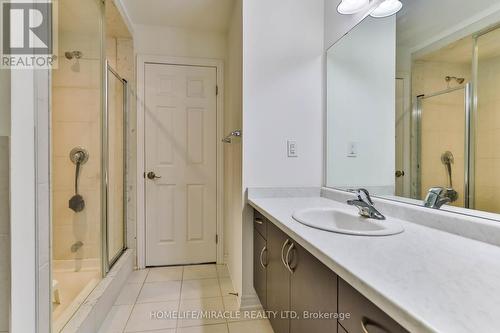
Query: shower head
x=73, y=54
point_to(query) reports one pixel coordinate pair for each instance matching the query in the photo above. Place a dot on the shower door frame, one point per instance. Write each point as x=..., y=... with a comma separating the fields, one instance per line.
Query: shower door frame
x=107, y=263
x=468, y=143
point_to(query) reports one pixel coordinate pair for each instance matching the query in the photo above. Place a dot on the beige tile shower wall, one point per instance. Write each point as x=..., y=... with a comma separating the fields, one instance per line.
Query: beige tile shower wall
x=487, y=173
x=4, y=234
x=442, y=123
x=76, y=122
x=443, y=129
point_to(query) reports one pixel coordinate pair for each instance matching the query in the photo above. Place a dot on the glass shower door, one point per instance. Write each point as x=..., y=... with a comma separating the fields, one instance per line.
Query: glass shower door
x=443, y=138
x=116, y=216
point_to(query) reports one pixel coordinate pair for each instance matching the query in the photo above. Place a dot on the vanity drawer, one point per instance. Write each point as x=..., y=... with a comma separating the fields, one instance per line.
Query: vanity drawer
x=260, y=223
x=365, y=316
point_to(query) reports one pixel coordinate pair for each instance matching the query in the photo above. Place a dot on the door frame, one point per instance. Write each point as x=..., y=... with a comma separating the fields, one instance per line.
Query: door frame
x=142, y=60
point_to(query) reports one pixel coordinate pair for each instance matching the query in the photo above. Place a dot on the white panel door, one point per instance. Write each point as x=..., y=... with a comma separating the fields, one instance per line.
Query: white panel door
x=181, y=148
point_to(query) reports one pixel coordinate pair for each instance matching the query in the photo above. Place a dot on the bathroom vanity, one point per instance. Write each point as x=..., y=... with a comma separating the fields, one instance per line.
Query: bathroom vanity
x=420, y=280
x=289, y=278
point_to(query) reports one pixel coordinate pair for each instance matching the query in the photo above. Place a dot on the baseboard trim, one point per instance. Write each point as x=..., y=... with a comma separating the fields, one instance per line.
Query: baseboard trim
x=250, y=302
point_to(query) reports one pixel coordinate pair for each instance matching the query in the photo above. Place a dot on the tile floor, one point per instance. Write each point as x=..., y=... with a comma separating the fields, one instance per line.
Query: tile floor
x=188, y=289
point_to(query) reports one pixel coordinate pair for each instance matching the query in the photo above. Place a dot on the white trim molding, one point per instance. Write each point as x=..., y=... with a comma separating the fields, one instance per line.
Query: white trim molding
x=142, y=60
x=23, y=230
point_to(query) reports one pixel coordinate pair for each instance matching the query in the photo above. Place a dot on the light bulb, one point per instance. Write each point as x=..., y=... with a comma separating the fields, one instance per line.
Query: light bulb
x=352, y=6
x=387, y=8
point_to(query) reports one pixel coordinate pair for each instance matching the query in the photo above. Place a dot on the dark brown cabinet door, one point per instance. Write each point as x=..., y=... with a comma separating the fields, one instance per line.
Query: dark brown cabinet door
x=278, y=279
x=313, y=290
x=341, y=329
x=260, y=223
x=259, y=266
x=365, y=316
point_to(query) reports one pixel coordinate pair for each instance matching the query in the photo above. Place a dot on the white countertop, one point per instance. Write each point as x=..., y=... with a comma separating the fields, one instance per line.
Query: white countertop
x=428, y=280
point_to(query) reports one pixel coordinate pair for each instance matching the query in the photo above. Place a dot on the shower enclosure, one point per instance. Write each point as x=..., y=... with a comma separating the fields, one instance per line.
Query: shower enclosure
x=88, y=117
x=467, y=114
x=444, y=162
x=116, y=106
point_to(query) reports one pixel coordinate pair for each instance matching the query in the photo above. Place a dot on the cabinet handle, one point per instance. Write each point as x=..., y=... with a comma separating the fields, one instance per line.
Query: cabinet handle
x=283, y=251
x=290, y=269
x=259, y=221
x=264, y=249
x=368, y=322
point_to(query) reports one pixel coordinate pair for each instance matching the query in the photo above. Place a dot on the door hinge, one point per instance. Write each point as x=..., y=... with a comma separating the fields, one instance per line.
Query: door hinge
x=216, y=239
x=144, y=175
x=216, y=90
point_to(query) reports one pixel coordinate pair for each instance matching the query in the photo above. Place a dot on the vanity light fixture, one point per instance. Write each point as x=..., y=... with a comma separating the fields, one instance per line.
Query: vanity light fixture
x=387, y=8
x=348, y=7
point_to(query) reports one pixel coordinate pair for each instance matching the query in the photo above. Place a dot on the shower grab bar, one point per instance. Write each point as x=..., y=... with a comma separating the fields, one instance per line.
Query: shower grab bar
x=78, y=156
x=447, y=159
x=77, y=176
x=233, y=134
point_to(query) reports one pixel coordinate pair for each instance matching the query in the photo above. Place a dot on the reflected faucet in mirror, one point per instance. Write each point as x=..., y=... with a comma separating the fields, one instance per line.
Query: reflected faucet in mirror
x=365, y=204
x=439, y=196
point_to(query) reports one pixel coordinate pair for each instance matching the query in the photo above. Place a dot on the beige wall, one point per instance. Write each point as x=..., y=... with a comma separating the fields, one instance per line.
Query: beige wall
x=443, y=124
x=179, y=42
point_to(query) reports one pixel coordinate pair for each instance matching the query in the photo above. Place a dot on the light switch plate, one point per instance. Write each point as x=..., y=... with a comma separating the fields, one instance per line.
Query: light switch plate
x=352, y=149
x=291, y=147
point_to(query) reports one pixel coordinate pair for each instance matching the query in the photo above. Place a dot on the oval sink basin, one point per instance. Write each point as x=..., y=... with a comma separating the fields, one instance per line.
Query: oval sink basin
x=345, y=222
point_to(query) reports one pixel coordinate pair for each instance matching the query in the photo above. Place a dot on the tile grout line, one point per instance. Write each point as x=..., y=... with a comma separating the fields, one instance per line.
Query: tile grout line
x=222, y=297
x=135, y=302
x=177, y=327
x=180, y=298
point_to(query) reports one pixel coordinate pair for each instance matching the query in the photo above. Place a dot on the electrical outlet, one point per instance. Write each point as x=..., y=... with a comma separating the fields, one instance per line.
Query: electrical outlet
x=291, y=147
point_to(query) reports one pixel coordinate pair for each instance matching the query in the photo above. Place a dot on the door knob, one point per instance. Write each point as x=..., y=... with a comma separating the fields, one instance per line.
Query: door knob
x=399, y=173
x=151, y=175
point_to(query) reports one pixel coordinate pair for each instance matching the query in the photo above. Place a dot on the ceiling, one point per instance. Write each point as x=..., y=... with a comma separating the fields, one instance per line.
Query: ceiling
x=207, y=15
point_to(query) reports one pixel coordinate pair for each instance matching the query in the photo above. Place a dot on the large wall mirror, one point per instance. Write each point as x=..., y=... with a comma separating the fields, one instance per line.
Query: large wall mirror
x=413, y=109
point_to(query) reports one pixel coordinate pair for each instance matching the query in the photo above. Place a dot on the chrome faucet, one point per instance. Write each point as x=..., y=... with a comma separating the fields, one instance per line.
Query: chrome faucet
x=365, y=204
x=438, y=196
